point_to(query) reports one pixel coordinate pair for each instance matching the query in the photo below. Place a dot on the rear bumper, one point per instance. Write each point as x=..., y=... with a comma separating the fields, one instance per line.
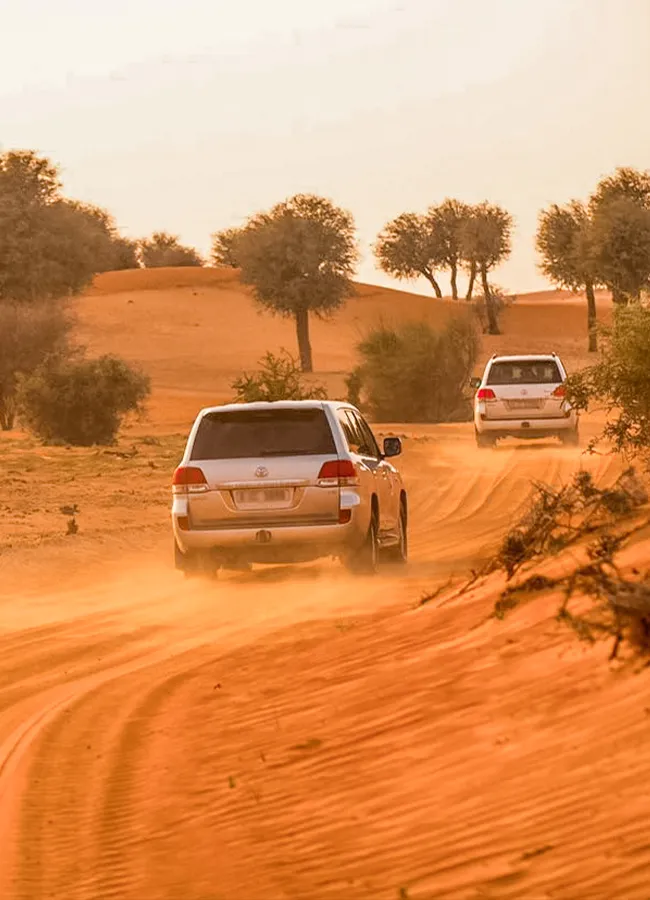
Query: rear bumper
x=526, y=427
x=270, y=541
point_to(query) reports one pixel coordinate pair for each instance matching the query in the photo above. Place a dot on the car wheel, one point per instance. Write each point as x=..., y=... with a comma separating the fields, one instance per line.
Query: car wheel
x=195, y=565
x=399, y=553
x=485, y=441
x=363, y=561
x=570, y=438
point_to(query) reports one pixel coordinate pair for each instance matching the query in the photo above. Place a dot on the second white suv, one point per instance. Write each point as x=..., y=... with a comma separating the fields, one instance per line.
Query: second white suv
x=523, y=397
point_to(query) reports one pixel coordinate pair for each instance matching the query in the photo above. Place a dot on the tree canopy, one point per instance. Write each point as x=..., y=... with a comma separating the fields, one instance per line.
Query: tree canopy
x=163, y=249
x=299, y=258
x=565, y=245
x=407, y=248
x=487, y=241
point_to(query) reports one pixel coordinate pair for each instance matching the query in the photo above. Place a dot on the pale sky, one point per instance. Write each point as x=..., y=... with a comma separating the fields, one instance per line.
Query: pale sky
x=190, y=116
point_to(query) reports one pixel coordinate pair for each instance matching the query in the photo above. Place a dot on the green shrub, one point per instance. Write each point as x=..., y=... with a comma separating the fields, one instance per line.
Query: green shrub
x=415, y=373
x=277, y=378
x=619, y=382
x=82, y=402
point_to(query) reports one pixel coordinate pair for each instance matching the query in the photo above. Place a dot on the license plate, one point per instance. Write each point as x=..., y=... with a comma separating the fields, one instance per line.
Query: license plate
x=524, y=404
x=263, y=497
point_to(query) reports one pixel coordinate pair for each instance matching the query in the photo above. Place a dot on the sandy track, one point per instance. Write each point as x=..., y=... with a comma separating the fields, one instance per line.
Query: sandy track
x=297, y=734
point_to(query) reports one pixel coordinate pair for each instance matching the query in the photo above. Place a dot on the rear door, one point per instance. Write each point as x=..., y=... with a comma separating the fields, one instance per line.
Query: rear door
x=525, y=389
x=262, y=467
x=372, y=458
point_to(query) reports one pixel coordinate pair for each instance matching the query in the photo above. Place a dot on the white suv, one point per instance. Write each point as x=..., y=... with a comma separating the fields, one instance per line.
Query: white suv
x=523, y=397
x=287, y=482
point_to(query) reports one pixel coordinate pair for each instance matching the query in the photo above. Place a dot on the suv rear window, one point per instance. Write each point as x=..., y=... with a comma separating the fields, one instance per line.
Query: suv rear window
x=248, y=434
x=525, y=371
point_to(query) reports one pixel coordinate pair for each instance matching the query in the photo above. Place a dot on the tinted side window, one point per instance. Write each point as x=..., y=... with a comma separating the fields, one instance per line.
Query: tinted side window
x=368, y=443
x=356, y=438
x=348, y=430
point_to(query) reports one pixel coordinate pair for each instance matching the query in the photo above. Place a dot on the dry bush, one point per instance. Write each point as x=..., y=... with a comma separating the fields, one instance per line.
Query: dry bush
x=557, y=518
x=618, y=605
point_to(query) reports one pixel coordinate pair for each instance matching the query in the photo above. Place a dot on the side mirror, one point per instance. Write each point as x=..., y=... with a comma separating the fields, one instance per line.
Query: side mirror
x=392, y=446
x=475, y=383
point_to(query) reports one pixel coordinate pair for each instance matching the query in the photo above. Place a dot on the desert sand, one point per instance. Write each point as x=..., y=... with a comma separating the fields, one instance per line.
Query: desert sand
x=296, y=733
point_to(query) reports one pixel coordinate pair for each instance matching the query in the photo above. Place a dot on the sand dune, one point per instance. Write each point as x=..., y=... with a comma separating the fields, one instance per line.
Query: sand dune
x=195, y=329
x=295, y=733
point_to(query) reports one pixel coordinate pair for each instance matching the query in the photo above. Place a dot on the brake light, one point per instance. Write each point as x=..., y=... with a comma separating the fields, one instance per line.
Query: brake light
x=189, y=480
x=338, y=473
x=560, y=391
x=486, y=394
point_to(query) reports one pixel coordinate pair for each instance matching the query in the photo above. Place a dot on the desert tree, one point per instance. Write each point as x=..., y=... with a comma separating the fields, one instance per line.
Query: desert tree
x=113, y=251
x=299, y=258
x=223, y=252
x=447, y=223
x=616, y=208
x=408, y=248
x=621, y=248
x=487, y=239
x=48, y=247
x=625, y=184
x=163, y=249
x=565, y=245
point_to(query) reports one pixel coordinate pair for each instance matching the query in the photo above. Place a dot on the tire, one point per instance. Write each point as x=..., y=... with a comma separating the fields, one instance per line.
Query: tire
x=485, y=441
x=571, y=438
x=399, y=554
x=195, y=565
x=364, y=560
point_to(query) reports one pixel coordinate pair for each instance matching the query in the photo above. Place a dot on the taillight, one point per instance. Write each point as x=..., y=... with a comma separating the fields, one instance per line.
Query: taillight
x=338, y=473
x=189, y=480
x=560, y=391
x=486, y=394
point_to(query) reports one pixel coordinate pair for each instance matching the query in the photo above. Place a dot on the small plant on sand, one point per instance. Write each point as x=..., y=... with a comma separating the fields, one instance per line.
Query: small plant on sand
x=82, y=402
x=277, y=378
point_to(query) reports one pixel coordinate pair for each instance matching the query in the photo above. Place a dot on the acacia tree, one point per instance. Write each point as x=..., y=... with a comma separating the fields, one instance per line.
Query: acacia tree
x=487, y=239
x=299, y=259
x=163, y=249
x=114, y=252
x=468, y=262
x=618, y=209
x=48, y=249
x=621, y=248
x=223, y=251
x=565, y=244
x=447, y=222
x=408, y=247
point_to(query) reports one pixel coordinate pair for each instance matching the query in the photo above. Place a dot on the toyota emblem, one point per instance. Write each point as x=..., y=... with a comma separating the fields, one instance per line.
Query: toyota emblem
x=261, y=472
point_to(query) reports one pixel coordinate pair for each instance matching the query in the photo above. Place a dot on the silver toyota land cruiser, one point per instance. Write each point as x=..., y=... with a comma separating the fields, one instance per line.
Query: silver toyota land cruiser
x=287, y=482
